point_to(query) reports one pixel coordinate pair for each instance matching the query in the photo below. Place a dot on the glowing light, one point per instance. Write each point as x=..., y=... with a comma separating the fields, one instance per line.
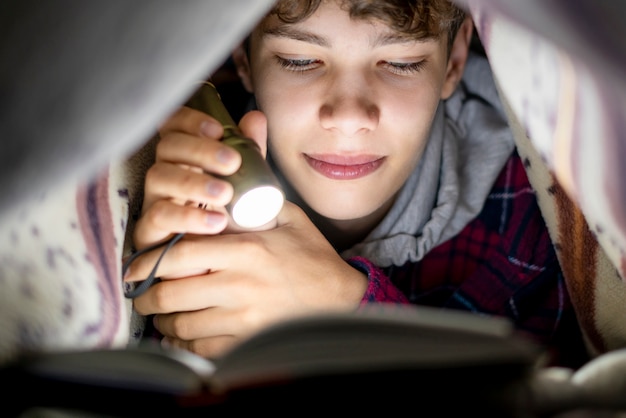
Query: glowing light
x=258, y=206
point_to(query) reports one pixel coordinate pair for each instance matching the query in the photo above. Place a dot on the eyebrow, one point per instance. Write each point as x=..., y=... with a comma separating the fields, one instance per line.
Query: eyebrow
x=393, y=38
x=298, y=35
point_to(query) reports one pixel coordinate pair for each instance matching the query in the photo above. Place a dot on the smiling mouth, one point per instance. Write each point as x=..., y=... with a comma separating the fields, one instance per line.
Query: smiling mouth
x=344, y=170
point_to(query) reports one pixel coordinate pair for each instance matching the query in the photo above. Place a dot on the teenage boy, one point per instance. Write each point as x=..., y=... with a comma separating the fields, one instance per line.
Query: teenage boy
x=401, y=174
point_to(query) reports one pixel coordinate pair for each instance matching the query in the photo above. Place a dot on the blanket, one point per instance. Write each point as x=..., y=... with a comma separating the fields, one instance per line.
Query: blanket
x=560, y=70
x=566, y=117
x=60, y=263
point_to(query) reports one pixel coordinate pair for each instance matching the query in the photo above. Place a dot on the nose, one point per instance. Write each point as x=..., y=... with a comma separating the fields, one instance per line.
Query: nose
x=349, y=108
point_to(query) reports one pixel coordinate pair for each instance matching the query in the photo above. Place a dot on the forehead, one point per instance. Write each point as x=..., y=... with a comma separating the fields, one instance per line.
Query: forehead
x=382, y=36
x=329, y=18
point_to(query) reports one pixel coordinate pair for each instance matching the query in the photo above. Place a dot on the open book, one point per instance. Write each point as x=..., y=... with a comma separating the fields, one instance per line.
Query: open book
x=382, y=353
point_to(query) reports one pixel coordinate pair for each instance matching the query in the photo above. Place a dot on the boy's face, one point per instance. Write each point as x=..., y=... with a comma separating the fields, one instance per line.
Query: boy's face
x=349, y=106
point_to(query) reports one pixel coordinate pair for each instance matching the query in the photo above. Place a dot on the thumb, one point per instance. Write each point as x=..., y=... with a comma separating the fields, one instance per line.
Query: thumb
x=291, y=214
x=254, y=125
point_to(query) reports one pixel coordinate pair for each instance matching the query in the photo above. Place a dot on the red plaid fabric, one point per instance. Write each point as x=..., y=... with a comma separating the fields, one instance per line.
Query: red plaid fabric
x=503, y=263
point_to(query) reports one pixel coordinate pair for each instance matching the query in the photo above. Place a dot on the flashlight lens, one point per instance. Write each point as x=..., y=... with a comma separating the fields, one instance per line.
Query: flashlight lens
x=257, y=206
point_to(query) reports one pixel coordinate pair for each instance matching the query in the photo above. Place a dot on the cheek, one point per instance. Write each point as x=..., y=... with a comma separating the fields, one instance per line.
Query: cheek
x=411, y=121
x=412, y=111
x=287, y=111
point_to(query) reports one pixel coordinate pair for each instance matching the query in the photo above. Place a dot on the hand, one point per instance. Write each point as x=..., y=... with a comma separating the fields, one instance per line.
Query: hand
x=250, y=280
x=180, y=194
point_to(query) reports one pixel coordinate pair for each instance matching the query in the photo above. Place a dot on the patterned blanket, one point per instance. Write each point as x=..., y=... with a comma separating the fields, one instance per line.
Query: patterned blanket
x=567, y=116
x=562, y=73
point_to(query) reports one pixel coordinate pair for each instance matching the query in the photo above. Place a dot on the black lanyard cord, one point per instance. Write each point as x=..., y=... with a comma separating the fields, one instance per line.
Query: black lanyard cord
x=151, y=279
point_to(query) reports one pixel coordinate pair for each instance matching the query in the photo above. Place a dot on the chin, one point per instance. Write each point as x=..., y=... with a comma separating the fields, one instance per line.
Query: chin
x=344, y=209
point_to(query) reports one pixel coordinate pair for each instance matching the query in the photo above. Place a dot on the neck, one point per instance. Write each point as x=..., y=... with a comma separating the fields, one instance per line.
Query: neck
x=345, y=233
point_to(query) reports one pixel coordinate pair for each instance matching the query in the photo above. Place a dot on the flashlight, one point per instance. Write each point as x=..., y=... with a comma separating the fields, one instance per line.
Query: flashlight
x=257, y=195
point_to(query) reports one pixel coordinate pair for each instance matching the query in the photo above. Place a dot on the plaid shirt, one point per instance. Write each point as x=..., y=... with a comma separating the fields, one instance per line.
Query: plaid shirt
x=502, y=263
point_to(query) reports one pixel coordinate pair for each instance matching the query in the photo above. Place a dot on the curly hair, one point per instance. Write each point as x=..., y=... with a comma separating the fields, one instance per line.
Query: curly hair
x=419, y=19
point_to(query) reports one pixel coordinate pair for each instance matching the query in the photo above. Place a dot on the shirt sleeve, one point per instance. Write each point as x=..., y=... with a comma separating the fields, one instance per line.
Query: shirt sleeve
x=379, y=287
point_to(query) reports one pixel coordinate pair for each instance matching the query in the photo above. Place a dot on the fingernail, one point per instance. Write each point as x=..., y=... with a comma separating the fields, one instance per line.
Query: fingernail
x=226, y=155
x=210, y=129
x=215, y=188
x=213, y=218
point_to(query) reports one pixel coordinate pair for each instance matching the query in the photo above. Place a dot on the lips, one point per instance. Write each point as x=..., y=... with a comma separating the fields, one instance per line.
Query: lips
x=344, y=168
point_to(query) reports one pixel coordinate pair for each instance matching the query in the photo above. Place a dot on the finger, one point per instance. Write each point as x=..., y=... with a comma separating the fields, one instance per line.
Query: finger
x=180, y=260
x=254, y=125
x=221, y=254
x=211, y=347
x=289, y=214
x=193, y=325
x=193, y=122
x=208, y=154
x=188, y=292
x=165, y=218
x=167, y=296
x=183, y=185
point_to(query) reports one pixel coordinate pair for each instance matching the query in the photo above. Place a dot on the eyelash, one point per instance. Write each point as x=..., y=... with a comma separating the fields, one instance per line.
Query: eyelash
x=302, y=65
x=405, y=68
x=297, y=65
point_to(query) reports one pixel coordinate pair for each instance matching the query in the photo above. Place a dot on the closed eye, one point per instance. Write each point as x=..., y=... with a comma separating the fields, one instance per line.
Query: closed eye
x=403, y=68
x=298, y=65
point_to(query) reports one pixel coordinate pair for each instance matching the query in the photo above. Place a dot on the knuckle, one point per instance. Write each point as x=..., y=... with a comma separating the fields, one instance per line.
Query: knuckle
x=180, y=327
x=161, y=296
x=139, y=307
x=187, y=180
x=253, y=319
x=157, y=213
x=188, y=217
x=200, y=347
x=152, y=174
x=252, y=245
